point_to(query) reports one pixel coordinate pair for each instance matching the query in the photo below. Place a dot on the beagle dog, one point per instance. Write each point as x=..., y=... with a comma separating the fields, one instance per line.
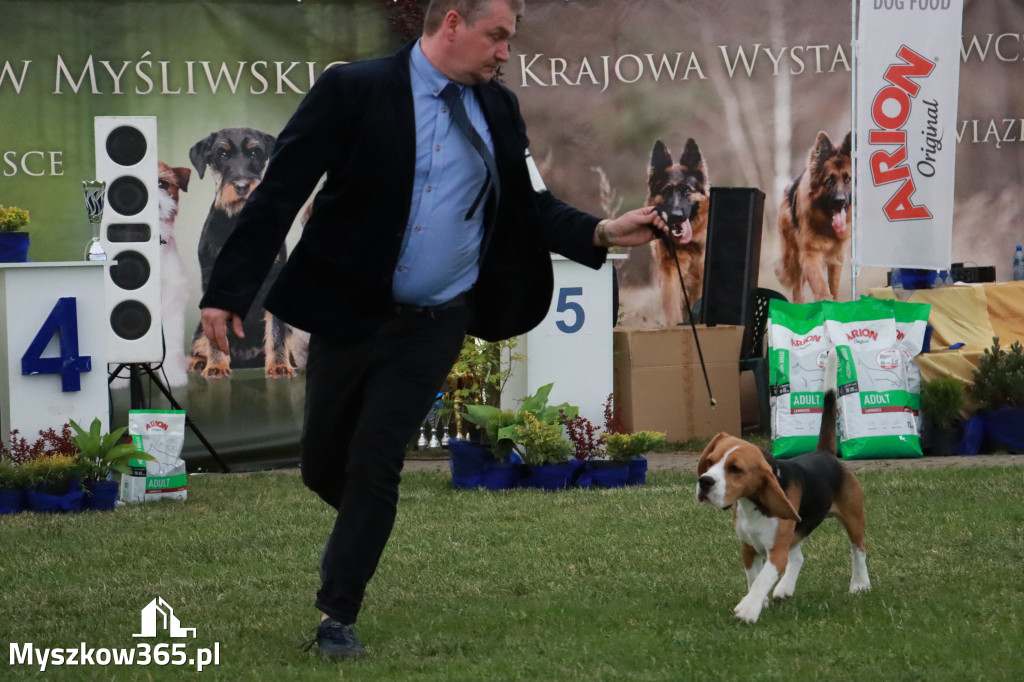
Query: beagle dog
x=777, y=503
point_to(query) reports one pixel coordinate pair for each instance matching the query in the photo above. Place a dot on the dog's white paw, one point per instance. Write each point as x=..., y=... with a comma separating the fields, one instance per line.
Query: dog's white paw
x=783, y=591
x=859, y=580
x=749, y=609
x=860, y=586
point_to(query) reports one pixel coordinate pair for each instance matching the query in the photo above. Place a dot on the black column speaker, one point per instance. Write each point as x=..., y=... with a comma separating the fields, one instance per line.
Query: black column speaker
x=732, y=258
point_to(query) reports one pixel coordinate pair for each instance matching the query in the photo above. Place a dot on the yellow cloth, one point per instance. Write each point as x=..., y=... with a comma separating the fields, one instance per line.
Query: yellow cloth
x=1006, y=311
x=968, y=314
x=959, y=315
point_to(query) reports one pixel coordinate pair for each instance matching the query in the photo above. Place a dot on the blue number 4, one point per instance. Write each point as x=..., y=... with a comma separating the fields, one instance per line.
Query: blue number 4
x=62, y=321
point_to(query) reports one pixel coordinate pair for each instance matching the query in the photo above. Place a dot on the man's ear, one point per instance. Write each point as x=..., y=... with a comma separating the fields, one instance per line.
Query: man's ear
x=451, y=21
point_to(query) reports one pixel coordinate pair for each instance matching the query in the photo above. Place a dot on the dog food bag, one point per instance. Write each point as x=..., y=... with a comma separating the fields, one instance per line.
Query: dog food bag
x=911, y=325
x=797, y=350
x=161, y=433
x=876, y=419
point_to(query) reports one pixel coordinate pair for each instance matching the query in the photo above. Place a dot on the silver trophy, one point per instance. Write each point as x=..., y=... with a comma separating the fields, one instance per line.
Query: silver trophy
x=95, y=193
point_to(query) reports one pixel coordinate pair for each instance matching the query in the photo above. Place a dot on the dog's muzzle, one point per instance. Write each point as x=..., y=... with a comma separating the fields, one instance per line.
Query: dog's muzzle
x=704, y=487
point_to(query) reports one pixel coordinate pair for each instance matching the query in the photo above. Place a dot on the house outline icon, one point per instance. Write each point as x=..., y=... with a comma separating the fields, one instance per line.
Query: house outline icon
x=150, y=613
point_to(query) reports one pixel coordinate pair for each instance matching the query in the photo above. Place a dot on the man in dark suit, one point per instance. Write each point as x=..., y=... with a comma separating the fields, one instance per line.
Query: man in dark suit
x=428, y=225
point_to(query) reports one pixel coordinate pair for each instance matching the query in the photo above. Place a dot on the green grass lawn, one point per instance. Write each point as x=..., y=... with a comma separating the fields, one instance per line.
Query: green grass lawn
x=628, y=584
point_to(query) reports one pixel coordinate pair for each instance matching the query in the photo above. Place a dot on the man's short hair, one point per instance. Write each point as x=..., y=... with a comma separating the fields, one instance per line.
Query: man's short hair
x=470, y=10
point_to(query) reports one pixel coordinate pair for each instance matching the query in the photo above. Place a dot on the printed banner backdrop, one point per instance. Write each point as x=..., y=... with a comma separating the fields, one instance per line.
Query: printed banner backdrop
x=907, y=77
x=752, y=89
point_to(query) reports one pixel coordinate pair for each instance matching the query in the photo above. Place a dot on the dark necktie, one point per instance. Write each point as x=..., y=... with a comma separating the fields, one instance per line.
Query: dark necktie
x=453, y=98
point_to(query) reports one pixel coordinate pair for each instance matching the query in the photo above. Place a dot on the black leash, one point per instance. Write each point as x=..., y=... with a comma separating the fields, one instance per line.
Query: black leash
x=670, y=244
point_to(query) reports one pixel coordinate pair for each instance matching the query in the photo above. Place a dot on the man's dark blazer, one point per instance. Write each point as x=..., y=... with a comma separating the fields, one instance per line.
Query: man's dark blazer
x=357, y=125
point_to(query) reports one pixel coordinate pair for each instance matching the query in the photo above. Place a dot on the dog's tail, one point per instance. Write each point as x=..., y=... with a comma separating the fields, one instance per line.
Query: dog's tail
x=829, y=412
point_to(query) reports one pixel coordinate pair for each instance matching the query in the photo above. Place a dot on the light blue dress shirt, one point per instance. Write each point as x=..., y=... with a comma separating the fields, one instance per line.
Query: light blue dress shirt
x=441, y=248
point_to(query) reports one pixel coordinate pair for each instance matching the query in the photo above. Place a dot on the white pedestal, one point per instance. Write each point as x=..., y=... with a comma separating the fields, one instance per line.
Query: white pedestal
x=70, y=385
x=572, y=346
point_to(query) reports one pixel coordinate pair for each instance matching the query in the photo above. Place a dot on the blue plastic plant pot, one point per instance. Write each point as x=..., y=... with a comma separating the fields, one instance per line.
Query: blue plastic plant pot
x=101, y=495
x=500, y=476
x=47, y=503
x=548, y=476
x=580, y=476
x=12, y=501
x=609, y=473
x=467, y=460
x=14, y=247
x=637, y=471
x=972, y=436
x=1006, y=428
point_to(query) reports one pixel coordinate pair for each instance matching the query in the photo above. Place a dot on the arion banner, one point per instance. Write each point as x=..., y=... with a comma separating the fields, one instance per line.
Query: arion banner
x=908, y=74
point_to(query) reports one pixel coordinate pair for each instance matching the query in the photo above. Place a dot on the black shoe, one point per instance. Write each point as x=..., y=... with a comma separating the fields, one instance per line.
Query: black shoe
x=337, y=641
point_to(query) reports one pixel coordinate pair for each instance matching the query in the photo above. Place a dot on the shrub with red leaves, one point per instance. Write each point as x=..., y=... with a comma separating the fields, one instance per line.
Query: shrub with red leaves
x=585, y=437
x=612, y=421
x=48, y=443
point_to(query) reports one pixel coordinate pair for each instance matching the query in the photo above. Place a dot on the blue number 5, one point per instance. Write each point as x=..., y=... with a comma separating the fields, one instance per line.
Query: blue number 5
x=62, y=321
x=565, y=306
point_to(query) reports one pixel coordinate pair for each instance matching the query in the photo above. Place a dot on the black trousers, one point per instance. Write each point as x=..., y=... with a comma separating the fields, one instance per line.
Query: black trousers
x=364, y=403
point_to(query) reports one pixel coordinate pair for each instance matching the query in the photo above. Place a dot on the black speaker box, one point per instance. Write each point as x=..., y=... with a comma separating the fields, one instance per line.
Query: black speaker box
x=972, y=274
x=732, y=258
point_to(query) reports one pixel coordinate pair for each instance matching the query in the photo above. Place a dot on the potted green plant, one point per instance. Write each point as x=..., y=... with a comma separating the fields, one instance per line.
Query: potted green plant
x=620, y=464
x=102, y=455
x=19, y=455
x=13, y=241
x=472, y=462
x=999, y=391
x=589, y=447
x=625, y=446
x=484, y=463
x=54, y=483
x=499, y=426
x=942, y=400
x=631, y=448
x=545, y=449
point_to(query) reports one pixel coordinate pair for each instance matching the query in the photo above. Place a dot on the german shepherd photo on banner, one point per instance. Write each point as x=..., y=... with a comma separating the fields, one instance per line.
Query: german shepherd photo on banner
x=680, y=193
x=814, y=222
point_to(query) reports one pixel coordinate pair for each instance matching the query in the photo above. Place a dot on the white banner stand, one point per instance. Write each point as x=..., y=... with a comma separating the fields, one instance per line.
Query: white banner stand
x=906, y=80
x=572, y=346
x=53, y=336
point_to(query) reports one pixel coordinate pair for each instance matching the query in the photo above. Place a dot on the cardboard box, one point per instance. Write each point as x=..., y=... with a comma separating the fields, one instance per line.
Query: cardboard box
x=659, y=385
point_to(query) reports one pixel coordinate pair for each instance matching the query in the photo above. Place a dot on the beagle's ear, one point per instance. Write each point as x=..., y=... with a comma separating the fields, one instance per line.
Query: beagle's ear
x=773, y=497
x=705, y=463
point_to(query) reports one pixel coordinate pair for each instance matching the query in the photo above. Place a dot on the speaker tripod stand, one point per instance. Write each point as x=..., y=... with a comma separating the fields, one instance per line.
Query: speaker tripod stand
x=138, y=402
